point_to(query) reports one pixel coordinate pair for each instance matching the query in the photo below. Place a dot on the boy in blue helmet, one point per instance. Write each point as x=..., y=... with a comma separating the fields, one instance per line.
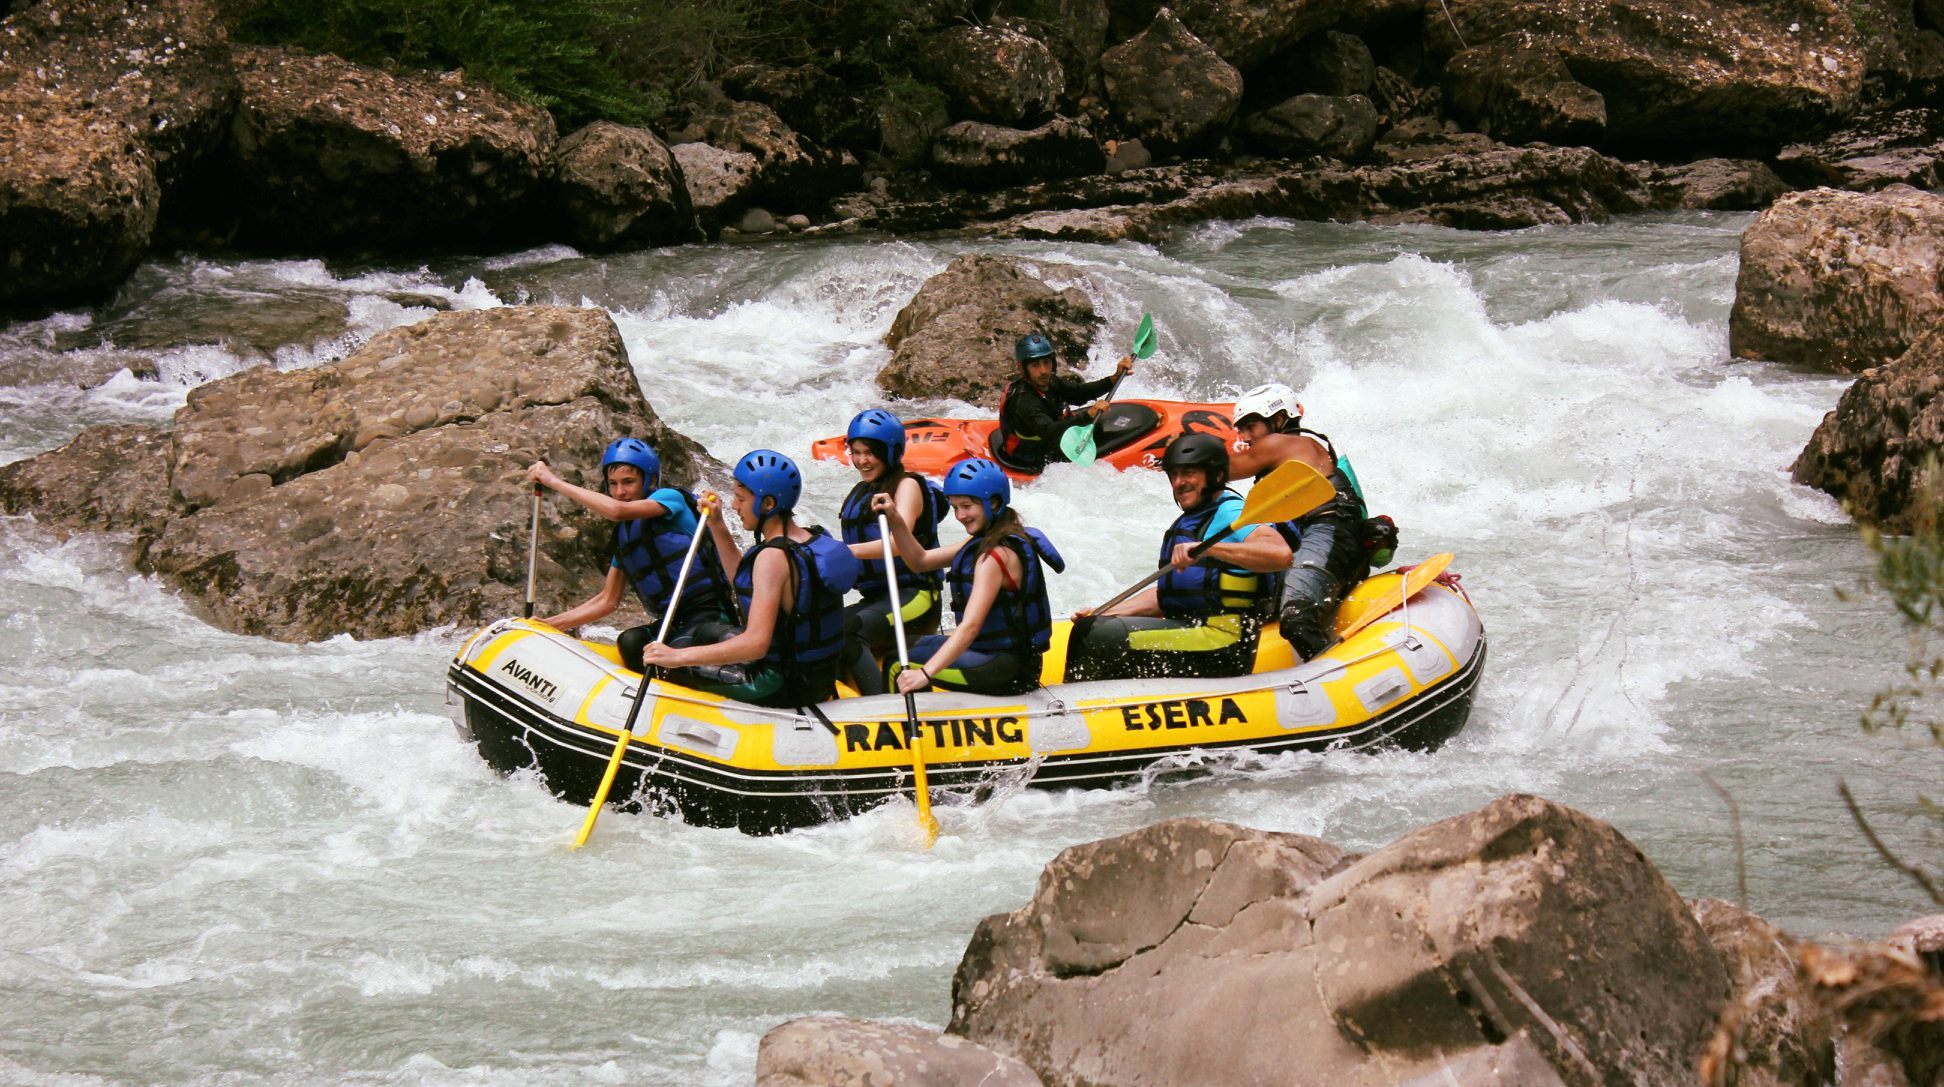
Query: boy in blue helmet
x=998, y=579
x=791, y=586
x=652, y=528
x=1033, y=410
x=1201, y=618
x=877, y=440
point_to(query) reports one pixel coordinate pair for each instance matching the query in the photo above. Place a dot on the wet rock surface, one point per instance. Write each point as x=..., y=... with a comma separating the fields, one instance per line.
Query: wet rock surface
x=107, y=479
x=1839, y=281
x=955, y=338
x=830, y=1052
x=617, y=185
x=1875, y=452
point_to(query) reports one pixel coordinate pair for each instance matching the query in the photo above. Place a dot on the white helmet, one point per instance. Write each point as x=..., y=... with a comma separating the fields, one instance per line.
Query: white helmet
x=1266, y=401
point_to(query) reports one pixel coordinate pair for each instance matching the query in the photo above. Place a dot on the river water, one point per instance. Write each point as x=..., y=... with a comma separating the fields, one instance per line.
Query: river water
x=227, y=860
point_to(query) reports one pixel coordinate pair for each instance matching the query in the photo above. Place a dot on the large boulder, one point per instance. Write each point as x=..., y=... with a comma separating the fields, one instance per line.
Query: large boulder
x=747, y=156
x=1315, y=124
x=1774, y=1032
x=822, y=1051
x=1171, y=90
x=327, y=154
x=378, y=496
x=1878, y=451
x=1679, y=74
x=982, y=156
x=78, y=204
x=618, y=186
x=1472, y=184
x=996, y=75
x=955, y=338
x=1839, y=281
x=1873, y=152
x=1245, y=33
x=1518, y=90
x=1716, y=183
x=1523, y=943
x=807, y=98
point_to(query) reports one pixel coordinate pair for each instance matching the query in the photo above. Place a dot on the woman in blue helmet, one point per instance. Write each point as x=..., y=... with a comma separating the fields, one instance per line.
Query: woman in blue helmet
x=652, y=528
x=877, y=442
x=998, y=581
x=791, y=586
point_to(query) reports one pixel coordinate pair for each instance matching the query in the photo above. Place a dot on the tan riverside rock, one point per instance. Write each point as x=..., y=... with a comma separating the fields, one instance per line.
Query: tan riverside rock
x=107, y=479
x=619, y=186
x=325, y=153
x=1839, y=281
x=1143, y=959
x=955, y=337
x=78, y=204
x=1774, y=1031
x=1688, y=72
x=827, y=1052
x=1877, y=451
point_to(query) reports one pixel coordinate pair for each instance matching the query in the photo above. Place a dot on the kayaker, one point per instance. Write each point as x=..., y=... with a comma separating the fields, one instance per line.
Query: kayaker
x=791, y=585
x=1200, y=619
x=877, y=442
x=1033, y=410
x=1330, y=556
x=653, y=525
x=998, y=581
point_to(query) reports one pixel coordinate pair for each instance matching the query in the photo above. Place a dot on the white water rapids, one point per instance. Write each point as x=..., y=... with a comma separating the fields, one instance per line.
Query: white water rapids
x=225, y=860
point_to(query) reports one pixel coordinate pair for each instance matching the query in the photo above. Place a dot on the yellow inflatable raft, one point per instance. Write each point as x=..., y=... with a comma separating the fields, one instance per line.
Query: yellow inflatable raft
x=531, y=697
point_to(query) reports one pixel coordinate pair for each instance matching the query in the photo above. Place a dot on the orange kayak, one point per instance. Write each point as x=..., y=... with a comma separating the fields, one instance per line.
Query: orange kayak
x=1131, y=434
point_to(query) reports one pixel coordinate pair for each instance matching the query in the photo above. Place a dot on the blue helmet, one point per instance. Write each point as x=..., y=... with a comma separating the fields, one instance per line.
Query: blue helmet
x=632, y=451
x=882, y=427
x=980, y=479
x=1032, y=346
x=769, y=474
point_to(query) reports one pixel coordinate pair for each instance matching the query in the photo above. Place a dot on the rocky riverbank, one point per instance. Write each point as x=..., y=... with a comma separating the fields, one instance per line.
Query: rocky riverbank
x=1522, y=944
x=140, y=125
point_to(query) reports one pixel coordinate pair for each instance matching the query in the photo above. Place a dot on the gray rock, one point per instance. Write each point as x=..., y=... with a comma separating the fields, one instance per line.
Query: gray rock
x=1169, y=88
x=719, y=182
x=1315, y=124
x=750, y=156
x=618, y=186
x=827, y=1052
x=1517, y=90
x=997, y=75
x=1876, y=452
x=1336, y=64
x=1524, y=943
x=983, y=156
x=756, y=221
x=108, y=479
x=1128, y=155
x=1716, y=184
x=797, y=223
x=328, y=154
x=955, y=338
x=1839, y=281
x=807, y=98
x=1924, y=938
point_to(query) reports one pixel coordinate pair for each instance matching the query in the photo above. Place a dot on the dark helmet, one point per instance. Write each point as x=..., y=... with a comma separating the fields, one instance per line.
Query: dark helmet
x=1203, y=451
x=769, y=474
x=635, y=452
x=882, y=427
x=981, y=480
x=1032, y=346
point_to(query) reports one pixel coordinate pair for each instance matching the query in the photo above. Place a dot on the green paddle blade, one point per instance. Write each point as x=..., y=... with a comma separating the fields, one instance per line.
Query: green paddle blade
x=1078, y=444
x=1144, y=337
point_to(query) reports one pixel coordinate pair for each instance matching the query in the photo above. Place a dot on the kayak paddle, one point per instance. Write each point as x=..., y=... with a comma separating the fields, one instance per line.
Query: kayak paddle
x=1078, y=442
x=920, y=789
x=1285, y=494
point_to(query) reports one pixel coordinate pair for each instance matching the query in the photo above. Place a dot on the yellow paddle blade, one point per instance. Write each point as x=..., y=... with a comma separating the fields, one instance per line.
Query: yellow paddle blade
x=1285, y=494
x=607, y=782
x=1413, y=581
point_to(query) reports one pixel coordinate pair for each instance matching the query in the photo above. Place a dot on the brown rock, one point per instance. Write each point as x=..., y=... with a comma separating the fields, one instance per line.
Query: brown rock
x=1773, y=1031
x=329, y=154
x=718, y=182
x=1170, y=89
x=107, y=479
x=1872, y=152
x=1524, y=943
x=1716, y=184
x=983, y=156
x=807, y=98
x=618, y=186
x=1839, y=281
x=996, y=75
x=1923, y=938
x=955, y=338
x=1517, y=90
x=828, y=1052
x=1315, y=124
x=1493, y=187
x=1876, y=452
x=78, y=204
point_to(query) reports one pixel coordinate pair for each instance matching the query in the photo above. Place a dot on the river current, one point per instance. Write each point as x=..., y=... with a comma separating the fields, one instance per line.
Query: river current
x=226, y=860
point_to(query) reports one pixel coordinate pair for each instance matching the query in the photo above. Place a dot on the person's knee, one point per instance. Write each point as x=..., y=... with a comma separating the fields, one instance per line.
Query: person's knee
x=631, y=643
x=1302, y=623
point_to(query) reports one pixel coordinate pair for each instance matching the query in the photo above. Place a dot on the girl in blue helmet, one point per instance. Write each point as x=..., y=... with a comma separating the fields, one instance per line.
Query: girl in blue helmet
x=998, y=581
x=652, y=528
x=791, y=586
x=877, y=440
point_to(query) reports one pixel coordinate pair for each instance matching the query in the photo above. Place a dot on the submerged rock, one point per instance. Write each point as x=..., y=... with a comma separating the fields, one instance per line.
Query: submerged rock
x=955, y=338
x=1839, y=281
x=1523, y=943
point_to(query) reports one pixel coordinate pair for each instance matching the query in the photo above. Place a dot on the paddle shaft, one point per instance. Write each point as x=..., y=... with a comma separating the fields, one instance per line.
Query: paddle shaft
x=1193, y=556
x=641, y=692
x=920, y=788
x=533, y=551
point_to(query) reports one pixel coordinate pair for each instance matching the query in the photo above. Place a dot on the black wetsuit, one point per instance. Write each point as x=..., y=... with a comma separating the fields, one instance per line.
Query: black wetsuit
x=1031, y=422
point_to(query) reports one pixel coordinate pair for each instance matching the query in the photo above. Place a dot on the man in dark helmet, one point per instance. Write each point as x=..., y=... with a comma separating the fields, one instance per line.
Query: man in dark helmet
x=1033, y=410
x=1201, y=618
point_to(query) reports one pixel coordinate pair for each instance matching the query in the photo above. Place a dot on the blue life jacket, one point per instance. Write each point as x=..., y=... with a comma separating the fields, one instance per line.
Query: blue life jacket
x=650, y=552
x=1205, y=589
x=1021, y=620
x=860, y=525
x=822, y=570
